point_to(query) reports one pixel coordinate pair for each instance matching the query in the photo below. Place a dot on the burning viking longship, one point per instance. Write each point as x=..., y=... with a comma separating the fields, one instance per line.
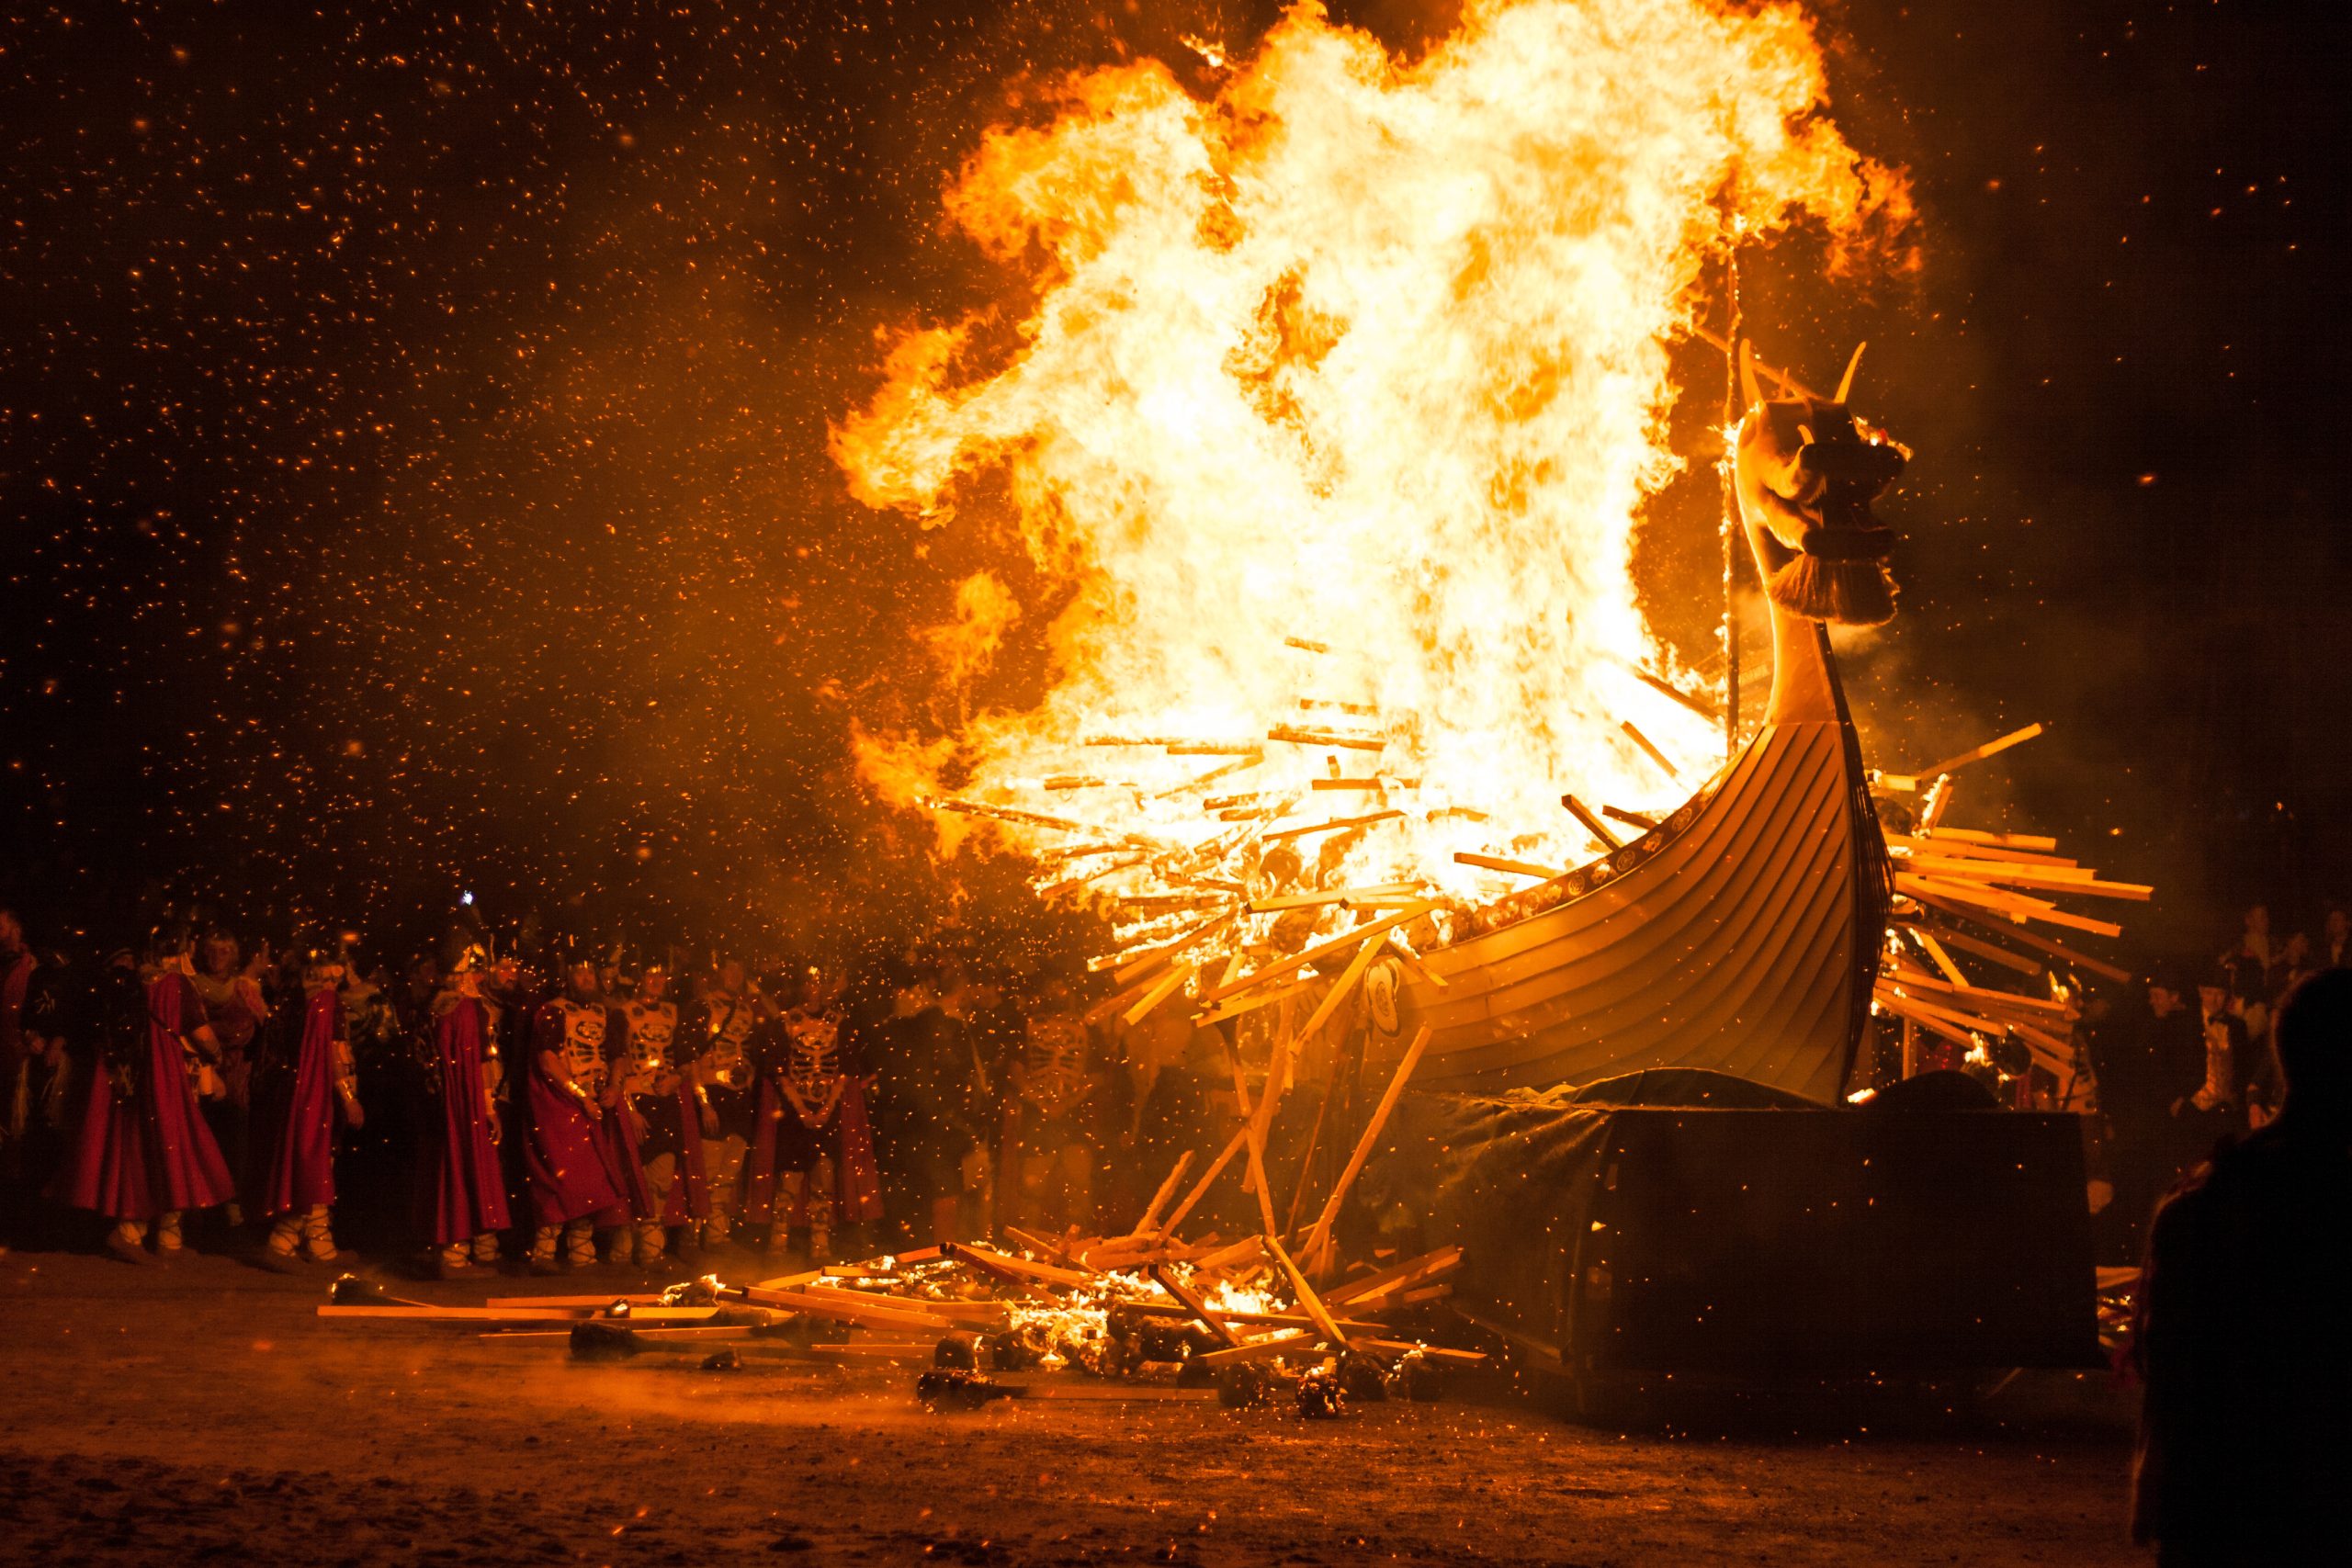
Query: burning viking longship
x=1743, y=933
x=1321, y=447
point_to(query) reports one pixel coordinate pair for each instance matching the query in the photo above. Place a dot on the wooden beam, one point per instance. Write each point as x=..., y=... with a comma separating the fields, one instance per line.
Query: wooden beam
x=1261, y=1349
x=996, y=1262
x=1322, y=1231
x=1930, y=889
x=1334, y=825
x=1167, y=1190
x=1976, y=945
x=1322, y=950
x=1650, y=751
x=1592, y=825
x=1515, y=867
x=1257, y=1182
x=1339, y=991
x=1324, y=1322
x=1397, y=1276
x=1199, y=1188
x=1978, y=753
x=1192, y=1303
x=849, y=1306
x=2045, y=879
x=1666, y=688
x=1997, y=841
x=1168, y=986
x=2014, y=932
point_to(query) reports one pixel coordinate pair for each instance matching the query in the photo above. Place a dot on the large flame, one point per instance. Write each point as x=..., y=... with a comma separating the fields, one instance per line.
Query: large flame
x=1336, y=400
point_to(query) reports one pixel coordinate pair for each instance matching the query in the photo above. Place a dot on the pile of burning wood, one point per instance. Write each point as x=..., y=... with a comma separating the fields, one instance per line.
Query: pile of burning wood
x=1238, y=1322
x=1965, y=897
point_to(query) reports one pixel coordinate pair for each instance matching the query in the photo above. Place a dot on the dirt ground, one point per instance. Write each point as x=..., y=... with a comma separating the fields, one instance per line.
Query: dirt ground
x=203, y=1413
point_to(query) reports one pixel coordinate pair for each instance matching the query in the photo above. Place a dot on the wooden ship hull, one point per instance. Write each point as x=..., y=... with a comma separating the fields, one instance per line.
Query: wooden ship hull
x=1741, y=934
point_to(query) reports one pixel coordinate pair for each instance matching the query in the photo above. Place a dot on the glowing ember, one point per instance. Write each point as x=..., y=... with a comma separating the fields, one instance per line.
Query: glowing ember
x=1335, y=401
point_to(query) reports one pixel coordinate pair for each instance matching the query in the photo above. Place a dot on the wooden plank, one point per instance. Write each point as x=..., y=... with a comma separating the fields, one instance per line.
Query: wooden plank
x=1248, y=1003
x=1335, y=896
x=1324, y=1322
x=1592, y=825
x=1339, y=992
x=592, y=1303
x=1666, y=688
x=1514, y=867
x=637, y=1314
x=1944, y=843
x=2000, y=840
x=848, y=1306
x=2080, y=880
x=1434, y=1352
x=1322, y=1231
x=1334, y=825
x=2013, y=932
x=1294, y=735
x=1935, y=954
x=1323, y=949
x=1167, y=1190
x=996, y=1262
x=1257, y=1182
x=1650, y=751
x=1200, y=1188
x=2012, y=903
x=1168, y=985
x=1261, y=1349
x=997, y=1314
x=1053, y=1250
x=1903, y=1007
x=1399, y=1277
x=1259, y=1319
x=1976, y=945
x=1194, y=1304
x=1978, y=753
x=1981, y=996
x=1245, y=1251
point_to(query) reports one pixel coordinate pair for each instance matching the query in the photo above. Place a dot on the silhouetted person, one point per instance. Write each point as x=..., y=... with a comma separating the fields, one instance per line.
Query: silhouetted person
x=2150, y=1069
x=2243, y=1448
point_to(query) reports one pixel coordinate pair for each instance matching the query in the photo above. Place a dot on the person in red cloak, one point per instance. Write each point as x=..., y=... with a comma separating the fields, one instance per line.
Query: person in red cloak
x=673, y=1116
x=303, y=1079
x=17, y=965
x=575, y=1188
x=461, y=1188
x=810, y=1135
x=732, y=1006
x=143, y=1156
x=235, y=1008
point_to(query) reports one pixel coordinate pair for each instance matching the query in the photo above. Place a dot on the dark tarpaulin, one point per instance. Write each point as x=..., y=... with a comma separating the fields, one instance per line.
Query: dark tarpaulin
x=1677, y=1218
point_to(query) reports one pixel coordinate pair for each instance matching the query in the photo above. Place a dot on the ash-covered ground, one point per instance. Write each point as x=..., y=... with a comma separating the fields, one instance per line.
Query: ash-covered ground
x=205, y=1413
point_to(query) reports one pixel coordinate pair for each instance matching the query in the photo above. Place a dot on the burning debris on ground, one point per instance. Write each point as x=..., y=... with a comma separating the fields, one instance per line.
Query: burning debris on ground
x=1237, y=1323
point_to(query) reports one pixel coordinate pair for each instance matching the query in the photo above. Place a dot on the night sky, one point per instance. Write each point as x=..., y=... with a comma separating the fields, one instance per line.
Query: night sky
x=411, y=431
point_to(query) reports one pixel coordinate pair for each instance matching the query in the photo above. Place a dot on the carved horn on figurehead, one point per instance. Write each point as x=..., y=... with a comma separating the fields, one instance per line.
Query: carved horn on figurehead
x=1845, y=382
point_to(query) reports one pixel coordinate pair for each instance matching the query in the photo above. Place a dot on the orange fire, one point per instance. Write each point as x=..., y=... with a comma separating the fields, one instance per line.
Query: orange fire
x=1327, y=417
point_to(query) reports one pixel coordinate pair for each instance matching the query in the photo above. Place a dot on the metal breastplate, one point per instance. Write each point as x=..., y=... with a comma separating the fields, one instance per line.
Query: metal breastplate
x=1053, y=1072
x=583, y=1044
x=652, y=1029
x=812, y=1053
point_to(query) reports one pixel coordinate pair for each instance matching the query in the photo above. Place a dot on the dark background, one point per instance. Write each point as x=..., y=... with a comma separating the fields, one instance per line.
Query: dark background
x=412, y=435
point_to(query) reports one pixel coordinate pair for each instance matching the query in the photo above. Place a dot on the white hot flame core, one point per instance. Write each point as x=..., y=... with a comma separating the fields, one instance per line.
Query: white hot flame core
x=1361, y=353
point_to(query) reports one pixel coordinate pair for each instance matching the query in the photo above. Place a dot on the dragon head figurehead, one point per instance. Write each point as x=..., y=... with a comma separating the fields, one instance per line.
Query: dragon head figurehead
x=1807, y=472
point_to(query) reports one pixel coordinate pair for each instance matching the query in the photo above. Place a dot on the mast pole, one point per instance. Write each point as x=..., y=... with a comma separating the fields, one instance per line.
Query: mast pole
x=1733, y=543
